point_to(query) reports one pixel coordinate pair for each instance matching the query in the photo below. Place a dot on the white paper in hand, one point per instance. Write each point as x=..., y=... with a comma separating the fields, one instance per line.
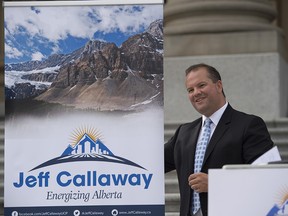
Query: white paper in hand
x=269, y=156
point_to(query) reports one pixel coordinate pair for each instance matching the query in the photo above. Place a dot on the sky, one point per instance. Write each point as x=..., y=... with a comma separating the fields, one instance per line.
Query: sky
x=35, y=33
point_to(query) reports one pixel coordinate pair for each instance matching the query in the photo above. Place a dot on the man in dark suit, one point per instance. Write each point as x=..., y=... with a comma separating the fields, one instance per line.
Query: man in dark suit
x=235, y=138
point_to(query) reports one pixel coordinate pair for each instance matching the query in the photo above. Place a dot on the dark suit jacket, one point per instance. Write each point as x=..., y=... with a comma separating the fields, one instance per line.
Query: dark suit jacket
x=239, y=138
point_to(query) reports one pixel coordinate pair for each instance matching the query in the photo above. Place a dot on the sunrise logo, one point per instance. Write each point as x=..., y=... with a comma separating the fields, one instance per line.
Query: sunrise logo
x=86, y=145
x=280, y=209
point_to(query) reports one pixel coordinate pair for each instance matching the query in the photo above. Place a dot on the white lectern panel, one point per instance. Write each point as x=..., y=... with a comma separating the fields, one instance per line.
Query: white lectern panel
x=248, y=191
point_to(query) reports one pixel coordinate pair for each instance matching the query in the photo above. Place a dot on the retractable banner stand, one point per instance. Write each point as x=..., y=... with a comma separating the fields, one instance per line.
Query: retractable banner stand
x=84, y=108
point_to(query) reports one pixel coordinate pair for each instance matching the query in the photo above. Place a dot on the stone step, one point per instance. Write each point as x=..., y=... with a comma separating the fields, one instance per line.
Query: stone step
x=284, y=156
x=172, y=196
x=281, y=144
x=1, y=150
x=278, y=133
x=171, y=213
x=1, y=206
x=171, y=185
x=2, y=163
x=172, y=202
x=170, y=175
x=1, y=176
x=2, y=189
x=277, y=123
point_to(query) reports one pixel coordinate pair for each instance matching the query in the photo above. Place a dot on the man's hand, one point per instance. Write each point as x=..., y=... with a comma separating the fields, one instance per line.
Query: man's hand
x=198, y=182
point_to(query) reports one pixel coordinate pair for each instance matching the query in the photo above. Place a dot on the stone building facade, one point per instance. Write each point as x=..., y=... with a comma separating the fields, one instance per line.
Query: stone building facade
x=246, y=40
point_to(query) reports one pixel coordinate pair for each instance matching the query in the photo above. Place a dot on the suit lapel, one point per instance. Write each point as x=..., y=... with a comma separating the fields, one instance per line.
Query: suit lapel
x=219, y=132
x=192, y=140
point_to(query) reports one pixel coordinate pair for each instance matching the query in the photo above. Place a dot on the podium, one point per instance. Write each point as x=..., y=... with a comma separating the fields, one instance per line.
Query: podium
x=248, y=190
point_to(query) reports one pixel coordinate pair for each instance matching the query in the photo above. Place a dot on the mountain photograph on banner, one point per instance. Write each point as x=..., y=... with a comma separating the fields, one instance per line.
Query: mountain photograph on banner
x=103, y=74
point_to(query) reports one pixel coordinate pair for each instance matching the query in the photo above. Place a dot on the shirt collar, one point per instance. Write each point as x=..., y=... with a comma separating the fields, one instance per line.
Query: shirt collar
x=215, y=117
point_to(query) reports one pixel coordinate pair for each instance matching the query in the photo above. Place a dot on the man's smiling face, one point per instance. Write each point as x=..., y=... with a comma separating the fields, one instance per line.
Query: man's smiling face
x=205, y=95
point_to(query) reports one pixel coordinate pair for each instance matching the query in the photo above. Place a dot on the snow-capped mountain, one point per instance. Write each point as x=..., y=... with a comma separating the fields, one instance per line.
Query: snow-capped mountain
x=99, y=75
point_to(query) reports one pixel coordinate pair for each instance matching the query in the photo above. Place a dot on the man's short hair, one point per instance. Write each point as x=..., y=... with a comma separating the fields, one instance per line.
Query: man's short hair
x=213, y=73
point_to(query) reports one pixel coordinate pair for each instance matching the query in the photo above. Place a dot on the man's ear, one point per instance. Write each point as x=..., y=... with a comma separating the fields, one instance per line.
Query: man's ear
x=219, y=86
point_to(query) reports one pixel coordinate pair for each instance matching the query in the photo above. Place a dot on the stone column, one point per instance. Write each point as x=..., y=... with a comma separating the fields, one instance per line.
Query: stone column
x=239, y=38
x=227, y=26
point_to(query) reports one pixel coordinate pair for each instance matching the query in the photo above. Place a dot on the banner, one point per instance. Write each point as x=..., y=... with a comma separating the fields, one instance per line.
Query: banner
x=84, y=128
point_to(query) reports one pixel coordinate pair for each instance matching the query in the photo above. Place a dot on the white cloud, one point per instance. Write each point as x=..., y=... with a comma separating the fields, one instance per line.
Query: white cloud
x=55, y=23
x=12, y=52
x=50, y=24
x=37, y=56
x=126, y=19
x=55, y=49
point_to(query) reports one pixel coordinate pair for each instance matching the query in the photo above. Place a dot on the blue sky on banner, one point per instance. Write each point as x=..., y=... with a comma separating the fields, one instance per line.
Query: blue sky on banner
x=34, y=33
